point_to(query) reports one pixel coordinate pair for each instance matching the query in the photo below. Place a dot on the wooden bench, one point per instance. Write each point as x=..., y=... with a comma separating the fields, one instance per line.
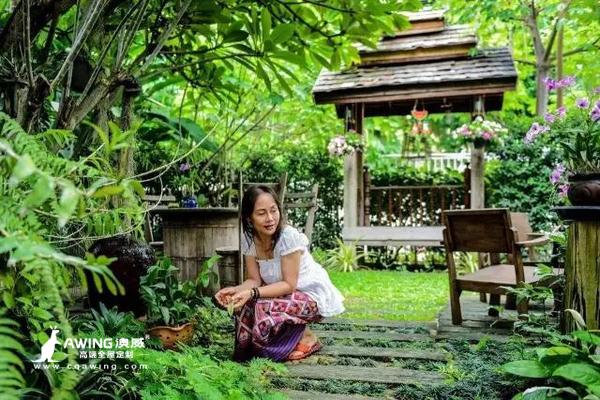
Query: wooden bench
x=427, y=236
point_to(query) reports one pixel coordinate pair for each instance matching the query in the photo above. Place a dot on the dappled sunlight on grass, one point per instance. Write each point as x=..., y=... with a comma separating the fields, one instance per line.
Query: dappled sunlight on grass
x=390, y=295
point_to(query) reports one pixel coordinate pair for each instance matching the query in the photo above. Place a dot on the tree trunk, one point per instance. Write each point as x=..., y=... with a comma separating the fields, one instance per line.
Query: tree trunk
x=582, y=271
x=541, y=91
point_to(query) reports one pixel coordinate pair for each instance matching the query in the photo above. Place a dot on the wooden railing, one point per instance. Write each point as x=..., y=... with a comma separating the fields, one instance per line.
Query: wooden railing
x=419, y=205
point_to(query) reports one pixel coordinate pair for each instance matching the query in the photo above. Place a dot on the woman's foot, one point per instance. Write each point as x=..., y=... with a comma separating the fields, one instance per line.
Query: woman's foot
x=307, y=346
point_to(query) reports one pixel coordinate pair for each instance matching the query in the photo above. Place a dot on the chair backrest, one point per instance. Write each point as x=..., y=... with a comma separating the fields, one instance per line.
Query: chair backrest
x=154, y=201
x=520, y=221
x=307, y=201
x=278, y=187
x=479, y=230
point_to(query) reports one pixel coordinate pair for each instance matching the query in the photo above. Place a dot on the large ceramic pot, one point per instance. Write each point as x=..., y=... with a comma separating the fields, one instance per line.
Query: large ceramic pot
x=132, y=261
x=584, y=190
x=171, y=335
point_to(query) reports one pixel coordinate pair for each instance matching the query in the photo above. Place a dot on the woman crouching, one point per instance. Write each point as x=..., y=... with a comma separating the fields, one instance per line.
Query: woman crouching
x=285, y=290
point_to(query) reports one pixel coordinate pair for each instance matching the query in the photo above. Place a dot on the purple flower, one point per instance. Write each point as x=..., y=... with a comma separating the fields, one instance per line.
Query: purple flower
x=582, y=102
x=557, y=173
x=550, y=83
x=595, y=114
x=549, y=118
x=534, y=131
x=184, y=167
x=566, y=82
x=561, y=112
x=597, y=90
x=563, y=190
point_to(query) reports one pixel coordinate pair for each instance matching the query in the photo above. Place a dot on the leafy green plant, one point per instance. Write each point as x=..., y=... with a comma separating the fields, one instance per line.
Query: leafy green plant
x=343, y=258
x=169, y=301
x=111, y=323
x=192, y=374
x=548, y=285
x=571, y=366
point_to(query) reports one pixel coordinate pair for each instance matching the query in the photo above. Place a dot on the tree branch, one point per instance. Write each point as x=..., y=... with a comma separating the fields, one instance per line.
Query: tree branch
x=552, y=37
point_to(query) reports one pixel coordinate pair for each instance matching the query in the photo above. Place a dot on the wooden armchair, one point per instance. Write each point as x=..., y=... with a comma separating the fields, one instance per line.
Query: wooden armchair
x=307, y=201
x=278, y=187
x=485, y=231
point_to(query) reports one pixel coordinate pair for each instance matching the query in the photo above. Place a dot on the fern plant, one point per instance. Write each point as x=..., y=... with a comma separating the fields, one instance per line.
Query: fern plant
x=11, y=365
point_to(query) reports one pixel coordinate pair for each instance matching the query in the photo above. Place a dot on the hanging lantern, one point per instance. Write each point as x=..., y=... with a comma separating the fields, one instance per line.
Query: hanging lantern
x=420, y=127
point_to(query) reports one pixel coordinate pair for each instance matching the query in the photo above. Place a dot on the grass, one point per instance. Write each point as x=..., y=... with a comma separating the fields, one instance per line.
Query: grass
x=391, y=295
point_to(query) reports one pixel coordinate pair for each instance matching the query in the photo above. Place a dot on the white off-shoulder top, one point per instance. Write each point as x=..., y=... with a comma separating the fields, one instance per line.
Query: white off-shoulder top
x=312, y=277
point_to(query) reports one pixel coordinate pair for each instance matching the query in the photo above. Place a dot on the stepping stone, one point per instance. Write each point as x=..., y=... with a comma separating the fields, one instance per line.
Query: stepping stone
x=381, y=352
x=470, y=336
x=312, y=395
x=390, y=336
x=389, y=375
x=379, y=323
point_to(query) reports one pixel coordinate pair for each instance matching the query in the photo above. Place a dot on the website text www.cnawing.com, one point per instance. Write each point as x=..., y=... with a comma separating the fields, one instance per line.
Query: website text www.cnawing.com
x=92, y=367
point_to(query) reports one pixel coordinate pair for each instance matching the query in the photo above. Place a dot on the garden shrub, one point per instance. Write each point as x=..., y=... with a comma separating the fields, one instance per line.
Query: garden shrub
x=519, y=176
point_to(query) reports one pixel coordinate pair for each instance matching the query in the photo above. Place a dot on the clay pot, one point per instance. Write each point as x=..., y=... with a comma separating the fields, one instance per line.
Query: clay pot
x=170, y=335
x=584, y=190
x=132, y=261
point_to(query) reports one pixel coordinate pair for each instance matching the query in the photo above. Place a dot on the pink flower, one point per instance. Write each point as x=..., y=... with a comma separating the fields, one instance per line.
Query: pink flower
x=561, y=112
x=563, y=190
x=535, y=130
x=487, y=136
x=566, y=82
x=549, y=118
x=184, y=167
x=550, y=83
x=464, y=130
x=557, y=173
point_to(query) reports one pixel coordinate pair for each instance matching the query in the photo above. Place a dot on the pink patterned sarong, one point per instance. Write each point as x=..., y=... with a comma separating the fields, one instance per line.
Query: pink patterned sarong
x=272, y=328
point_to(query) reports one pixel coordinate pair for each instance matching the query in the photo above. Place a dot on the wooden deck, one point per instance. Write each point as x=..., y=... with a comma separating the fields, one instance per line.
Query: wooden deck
x=390, y=353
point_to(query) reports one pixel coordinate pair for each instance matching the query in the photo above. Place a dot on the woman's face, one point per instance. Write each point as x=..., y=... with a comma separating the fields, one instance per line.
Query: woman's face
x=265, y=217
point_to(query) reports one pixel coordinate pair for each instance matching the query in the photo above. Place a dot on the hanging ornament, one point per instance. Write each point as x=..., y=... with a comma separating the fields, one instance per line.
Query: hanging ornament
x=420, y=127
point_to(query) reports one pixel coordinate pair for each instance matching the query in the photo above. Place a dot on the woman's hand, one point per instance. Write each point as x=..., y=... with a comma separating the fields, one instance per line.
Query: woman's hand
x=241, y=298
x=224, y=295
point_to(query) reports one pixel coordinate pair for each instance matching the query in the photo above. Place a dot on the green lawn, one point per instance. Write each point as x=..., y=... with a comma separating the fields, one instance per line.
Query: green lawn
x=400, y=296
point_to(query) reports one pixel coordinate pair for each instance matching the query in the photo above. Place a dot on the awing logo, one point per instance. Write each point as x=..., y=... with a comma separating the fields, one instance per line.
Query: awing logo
x=48, y=348
x=94, y=353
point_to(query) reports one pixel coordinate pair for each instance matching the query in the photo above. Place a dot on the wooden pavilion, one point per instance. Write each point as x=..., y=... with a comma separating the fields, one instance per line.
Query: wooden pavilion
x=432, y=64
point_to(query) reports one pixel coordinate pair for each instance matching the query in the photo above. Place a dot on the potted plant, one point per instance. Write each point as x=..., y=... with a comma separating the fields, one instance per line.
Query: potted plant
x=480, y=131
x=172, y=304
x=577, y=128
x=341, y=145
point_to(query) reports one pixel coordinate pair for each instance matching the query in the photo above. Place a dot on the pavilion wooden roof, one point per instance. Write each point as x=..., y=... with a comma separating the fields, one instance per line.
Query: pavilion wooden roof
x=440, y=69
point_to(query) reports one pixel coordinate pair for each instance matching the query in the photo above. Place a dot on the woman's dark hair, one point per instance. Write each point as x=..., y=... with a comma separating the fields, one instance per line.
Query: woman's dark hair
x=248, y=202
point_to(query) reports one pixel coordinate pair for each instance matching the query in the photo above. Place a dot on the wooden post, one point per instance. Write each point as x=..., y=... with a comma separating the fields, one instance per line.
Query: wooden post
x=582, y=272
x=367, y=186
x=353, y=179
x=359, y=112
x=350, y=189
x=477, y=172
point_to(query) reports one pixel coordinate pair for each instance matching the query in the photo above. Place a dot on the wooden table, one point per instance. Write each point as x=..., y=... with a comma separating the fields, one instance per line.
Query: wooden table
x=192, y=235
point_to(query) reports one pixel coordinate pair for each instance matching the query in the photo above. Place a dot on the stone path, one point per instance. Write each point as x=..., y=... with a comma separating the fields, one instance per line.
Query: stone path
x=387, y=353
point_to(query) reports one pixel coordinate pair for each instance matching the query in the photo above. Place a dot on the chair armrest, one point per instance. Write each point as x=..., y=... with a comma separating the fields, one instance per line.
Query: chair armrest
x=534, y=242
x=535, y=235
